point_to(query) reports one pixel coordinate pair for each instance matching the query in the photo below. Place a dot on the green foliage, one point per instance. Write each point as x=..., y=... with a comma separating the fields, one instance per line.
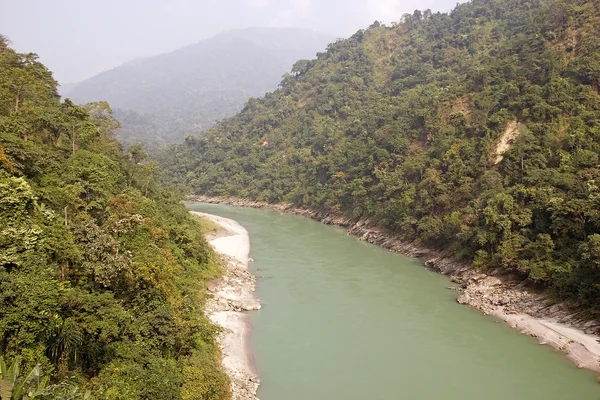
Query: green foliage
x=13, y=386
x=102, y=270
x=201, y=383
x=476, y=131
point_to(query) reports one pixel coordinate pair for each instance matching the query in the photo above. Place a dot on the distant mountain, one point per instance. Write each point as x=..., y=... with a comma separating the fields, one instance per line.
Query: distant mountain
x=162, y=98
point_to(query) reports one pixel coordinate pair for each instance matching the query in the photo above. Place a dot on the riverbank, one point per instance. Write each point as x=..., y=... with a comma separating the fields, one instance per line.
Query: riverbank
x=231, y=296
x=505, y=296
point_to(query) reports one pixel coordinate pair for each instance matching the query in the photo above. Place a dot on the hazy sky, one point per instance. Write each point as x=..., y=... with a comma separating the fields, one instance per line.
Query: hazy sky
x=80, y=38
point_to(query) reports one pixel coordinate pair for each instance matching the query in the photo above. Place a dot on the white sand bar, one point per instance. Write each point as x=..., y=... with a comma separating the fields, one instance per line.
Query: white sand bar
x=232, y=296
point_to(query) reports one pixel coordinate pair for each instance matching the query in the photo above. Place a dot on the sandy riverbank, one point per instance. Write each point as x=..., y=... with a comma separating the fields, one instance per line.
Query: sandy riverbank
x=559, y=325
x=232, y=296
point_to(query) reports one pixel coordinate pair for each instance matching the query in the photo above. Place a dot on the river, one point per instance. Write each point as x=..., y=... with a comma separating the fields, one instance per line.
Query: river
x=347, y=320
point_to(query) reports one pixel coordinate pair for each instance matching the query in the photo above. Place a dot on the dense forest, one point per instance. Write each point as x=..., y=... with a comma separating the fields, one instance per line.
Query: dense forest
x=475, y=131
x=102, y=271
x=160, y=99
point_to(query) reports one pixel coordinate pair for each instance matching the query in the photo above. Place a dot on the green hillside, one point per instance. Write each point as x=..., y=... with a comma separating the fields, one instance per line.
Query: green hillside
x=159, y=99
x=102, y=271
x=476, y=131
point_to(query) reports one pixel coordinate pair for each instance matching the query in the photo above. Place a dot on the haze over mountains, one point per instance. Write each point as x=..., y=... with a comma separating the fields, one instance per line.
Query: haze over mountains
x=164, y=97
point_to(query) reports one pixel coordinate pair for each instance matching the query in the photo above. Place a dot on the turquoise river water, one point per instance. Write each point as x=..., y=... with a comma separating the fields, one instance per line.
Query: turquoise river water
x=346, y=320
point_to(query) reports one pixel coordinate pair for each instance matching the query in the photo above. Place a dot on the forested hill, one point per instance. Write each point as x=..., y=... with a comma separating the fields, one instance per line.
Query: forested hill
x=102, y=271
x=162, y=98
x=476, y=131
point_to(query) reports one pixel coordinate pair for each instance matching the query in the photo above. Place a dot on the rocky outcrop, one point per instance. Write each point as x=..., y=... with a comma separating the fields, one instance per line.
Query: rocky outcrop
x=510, y=134
x=233, y=291
x=506, y=296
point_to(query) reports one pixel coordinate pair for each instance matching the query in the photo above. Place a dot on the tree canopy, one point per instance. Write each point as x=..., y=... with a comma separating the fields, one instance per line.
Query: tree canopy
x=475, y=131
x=102, y=270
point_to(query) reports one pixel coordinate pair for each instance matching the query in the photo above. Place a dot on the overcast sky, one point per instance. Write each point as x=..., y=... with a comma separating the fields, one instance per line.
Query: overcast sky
x=80, y=38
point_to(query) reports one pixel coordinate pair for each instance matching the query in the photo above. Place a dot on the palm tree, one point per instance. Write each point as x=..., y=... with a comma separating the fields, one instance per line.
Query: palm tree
x=15, y=387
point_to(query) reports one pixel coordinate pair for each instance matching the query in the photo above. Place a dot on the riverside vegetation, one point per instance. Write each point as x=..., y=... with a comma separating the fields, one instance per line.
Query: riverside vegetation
x=476, y=131
x=102, y=271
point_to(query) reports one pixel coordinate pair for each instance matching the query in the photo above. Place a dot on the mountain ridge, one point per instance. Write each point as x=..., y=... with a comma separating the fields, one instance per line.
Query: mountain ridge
x=188, y=89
